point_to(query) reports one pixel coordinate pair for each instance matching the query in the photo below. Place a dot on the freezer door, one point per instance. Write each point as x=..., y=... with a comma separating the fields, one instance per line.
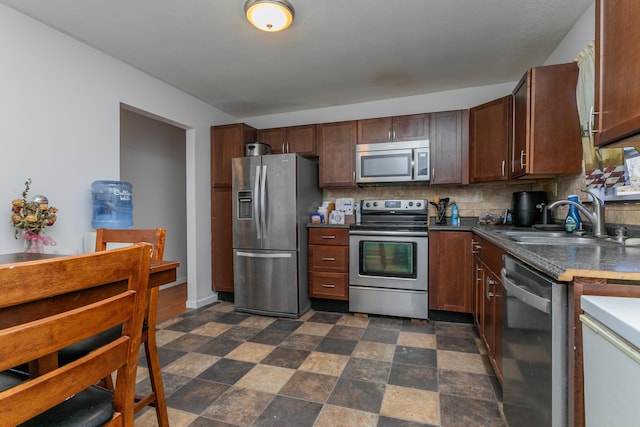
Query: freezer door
x=278, y=202
x=266, y=282
x=245, y=203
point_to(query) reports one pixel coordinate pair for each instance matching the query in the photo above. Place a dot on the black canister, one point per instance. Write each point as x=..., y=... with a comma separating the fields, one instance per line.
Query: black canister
x=526, y=209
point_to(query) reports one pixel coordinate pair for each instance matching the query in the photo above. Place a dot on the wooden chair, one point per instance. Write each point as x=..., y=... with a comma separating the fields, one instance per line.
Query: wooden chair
x=50, y=304
x=157, y=238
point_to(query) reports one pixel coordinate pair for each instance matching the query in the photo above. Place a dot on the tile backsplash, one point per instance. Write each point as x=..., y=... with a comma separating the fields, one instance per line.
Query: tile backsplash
x=474, y=200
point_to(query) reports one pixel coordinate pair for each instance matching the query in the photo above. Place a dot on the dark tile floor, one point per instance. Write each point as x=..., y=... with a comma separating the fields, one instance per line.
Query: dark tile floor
x=222, y=368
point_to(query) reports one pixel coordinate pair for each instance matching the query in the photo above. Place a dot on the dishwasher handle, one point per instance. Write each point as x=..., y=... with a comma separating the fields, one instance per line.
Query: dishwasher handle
x=536, y=301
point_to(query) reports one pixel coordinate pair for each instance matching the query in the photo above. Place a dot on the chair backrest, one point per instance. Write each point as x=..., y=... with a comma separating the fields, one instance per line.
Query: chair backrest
x=50, y=304
x=155, y=236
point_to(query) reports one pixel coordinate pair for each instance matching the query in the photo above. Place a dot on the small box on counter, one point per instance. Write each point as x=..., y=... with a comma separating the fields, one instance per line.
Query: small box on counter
x=345, y=205
x=317, y=218
x=349, y=219
x=336, y=217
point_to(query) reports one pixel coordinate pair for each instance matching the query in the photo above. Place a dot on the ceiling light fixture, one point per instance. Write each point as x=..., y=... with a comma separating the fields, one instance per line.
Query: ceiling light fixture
x=269, y=15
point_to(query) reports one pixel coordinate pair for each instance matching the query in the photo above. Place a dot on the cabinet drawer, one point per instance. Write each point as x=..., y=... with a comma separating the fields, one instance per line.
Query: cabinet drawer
x=329, y=236
x=329, y=258
x=329, y=285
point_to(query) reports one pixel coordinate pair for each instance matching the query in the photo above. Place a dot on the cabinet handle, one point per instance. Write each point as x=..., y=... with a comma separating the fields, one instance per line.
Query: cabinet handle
x=503, y=164
x=478, y=270
x=475, y=247
x=288, y=151
x=488, y=283
x=591, y=122
x=389, y=134
x=328, y=237
x=283, y=143
x=394, y=134
x=327, y=259
x=522, y=164
x=324, y=285
x=433, y=174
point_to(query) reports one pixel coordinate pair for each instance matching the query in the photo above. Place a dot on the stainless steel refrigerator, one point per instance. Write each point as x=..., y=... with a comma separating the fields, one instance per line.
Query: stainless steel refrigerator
x=273, y=198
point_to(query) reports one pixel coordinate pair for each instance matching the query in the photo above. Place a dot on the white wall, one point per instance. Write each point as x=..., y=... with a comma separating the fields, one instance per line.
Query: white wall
x=577, y=39
x=153, y=160
x=60, y=108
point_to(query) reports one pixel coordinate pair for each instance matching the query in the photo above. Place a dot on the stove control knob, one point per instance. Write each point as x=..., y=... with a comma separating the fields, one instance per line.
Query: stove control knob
x=375, y=203
x=410, y=203
x=368, y=204
x=418, y=204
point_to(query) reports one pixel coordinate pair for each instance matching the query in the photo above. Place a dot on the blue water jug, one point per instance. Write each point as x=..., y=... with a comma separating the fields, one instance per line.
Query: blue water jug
x=112, y=204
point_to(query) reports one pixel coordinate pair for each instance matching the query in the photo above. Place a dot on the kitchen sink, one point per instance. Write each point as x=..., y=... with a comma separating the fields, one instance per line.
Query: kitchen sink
x=556, y=238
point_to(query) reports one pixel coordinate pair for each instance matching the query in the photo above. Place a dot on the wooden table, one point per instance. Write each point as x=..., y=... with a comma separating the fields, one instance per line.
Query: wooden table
x=161, y=273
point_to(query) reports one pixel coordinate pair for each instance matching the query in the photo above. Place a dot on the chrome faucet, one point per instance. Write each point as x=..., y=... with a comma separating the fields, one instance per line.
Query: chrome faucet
x=595, y=217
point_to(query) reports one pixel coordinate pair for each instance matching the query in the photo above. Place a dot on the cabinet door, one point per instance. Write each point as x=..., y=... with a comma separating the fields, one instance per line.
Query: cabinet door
x=227, y=142
x=375, y=130
x=413, y=127
x=450, y=285
x=521, y=134
x=478, y=285
x=275, y=137
x=546, y=130
x=336, y=150
x=222, y=240
x=490, y=133
x=446, y=147
x=302, y=140
x=617, y=92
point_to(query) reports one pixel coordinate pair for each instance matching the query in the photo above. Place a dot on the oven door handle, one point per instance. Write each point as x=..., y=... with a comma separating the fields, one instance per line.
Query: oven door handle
x=529, y=298
x=388, y=233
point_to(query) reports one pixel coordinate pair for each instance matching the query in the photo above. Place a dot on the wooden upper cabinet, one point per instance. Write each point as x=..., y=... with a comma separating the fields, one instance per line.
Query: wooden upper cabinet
x=617, y=91
x=227, y=142
x=546, y=129
x=448, y=145
x=293, y=139
x=336, y=152
x=413, y=127
x=489, y=137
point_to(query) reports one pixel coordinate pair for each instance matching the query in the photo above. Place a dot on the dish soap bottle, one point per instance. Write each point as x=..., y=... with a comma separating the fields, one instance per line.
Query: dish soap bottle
x=455, y=215
x=573, y=221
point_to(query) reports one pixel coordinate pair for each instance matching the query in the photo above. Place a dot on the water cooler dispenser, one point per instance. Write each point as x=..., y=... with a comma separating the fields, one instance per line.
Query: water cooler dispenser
x=112, y=204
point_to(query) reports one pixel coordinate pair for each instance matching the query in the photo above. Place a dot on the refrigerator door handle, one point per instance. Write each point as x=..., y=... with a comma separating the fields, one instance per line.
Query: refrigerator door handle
x=263, y=198
x=256, y=206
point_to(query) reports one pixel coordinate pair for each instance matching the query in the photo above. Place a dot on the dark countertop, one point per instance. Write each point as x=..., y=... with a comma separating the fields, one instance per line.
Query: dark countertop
x=561, y=262
x=319, y=225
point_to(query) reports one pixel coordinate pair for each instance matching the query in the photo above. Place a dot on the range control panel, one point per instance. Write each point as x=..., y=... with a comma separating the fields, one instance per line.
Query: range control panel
x=391, y=206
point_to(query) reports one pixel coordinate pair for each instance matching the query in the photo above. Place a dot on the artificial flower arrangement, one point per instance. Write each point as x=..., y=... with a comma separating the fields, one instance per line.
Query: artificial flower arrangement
x=32, y=217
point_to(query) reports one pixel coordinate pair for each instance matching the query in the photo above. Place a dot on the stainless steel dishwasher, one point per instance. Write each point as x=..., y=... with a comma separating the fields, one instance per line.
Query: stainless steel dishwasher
x=535, y=347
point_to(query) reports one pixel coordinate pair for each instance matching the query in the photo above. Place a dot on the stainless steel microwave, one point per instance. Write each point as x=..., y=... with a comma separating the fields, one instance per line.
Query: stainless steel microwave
x=404, y=161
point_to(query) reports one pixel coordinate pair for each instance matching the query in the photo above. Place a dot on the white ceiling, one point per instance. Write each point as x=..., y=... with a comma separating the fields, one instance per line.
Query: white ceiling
x=337, y=52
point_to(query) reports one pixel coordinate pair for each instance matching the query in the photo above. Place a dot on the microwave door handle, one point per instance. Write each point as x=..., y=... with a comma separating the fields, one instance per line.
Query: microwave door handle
x=263, y=204
x=256, y=206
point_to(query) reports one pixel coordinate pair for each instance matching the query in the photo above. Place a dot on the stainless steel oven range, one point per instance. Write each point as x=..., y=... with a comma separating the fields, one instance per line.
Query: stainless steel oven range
x=388, y=259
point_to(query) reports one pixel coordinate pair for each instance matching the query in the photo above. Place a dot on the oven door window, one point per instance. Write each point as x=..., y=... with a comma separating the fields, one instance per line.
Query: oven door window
x=388, y=259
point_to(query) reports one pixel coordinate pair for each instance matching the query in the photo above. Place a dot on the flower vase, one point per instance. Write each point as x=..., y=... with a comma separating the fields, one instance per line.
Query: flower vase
x=33, y=246
x=34, y=242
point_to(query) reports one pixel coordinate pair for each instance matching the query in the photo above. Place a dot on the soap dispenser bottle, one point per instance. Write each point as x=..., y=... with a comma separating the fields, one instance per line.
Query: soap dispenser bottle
x=455, y=216
x=573, y=221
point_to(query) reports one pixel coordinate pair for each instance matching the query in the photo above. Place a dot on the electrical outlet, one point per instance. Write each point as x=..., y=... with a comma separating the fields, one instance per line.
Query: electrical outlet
x=479, y=196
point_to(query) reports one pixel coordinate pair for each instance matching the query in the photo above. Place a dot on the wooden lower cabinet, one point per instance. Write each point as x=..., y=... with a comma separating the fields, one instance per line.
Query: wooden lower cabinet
x=329, y=263
x=450, y=285
x=488, y=298
x=222, y=241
